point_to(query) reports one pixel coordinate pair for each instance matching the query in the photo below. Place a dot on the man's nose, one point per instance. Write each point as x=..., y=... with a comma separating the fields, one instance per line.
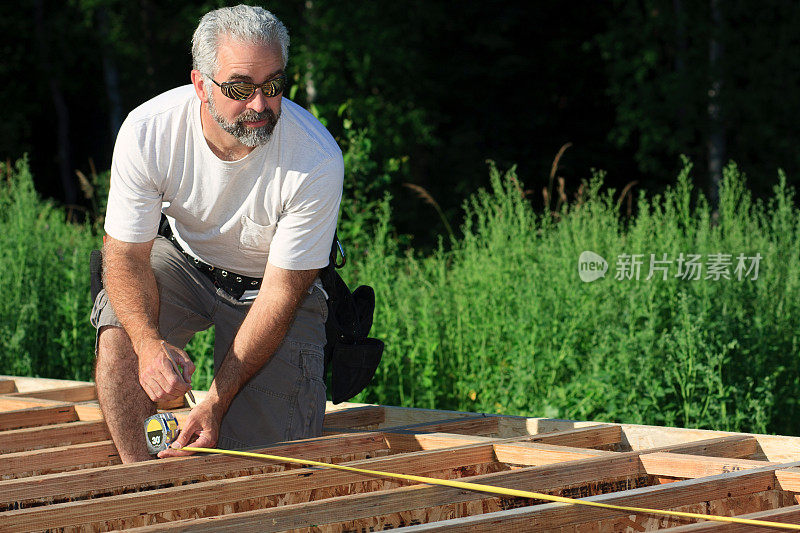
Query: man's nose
x=258, y=102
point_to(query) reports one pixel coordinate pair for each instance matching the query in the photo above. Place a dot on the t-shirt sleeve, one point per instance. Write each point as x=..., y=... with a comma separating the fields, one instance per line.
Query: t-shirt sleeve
x=134, y=201
x=303, y=238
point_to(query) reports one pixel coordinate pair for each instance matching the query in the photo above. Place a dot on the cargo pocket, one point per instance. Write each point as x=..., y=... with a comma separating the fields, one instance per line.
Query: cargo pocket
x=264, y=410
x=311, y=397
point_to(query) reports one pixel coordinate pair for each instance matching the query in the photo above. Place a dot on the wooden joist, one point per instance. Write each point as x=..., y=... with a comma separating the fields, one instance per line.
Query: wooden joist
x=60, y=470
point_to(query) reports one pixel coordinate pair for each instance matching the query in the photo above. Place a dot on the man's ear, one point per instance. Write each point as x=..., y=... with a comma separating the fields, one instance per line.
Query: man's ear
x=200, y=86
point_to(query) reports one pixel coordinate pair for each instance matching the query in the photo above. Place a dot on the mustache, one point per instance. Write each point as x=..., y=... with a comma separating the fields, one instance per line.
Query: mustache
x=253, y=116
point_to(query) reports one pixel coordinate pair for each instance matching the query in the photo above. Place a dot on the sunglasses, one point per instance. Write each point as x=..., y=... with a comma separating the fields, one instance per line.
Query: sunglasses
x=242, y=90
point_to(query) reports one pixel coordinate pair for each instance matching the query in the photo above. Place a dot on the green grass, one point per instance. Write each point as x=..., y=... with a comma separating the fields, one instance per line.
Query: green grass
x=497, y=319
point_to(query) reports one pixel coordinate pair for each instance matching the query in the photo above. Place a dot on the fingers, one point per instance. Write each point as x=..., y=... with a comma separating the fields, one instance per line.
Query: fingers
x=160, y=382
x=204, y=441
x=182, y=358
x=187, y=364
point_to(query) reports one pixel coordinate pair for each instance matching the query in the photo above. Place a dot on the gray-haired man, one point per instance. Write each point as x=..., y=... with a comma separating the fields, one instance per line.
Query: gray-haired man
x=250, y=184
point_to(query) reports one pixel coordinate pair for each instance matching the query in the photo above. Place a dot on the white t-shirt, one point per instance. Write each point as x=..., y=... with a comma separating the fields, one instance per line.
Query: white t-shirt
x=278, y=203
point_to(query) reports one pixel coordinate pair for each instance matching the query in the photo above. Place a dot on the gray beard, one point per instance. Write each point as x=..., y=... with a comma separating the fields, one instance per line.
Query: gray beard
x=251, y=137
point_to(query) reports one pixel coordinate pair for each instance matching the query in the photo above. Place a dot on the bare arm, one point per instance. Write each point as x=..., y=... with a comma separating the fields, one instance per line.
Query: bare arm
x=258, y=338
x=132, y=290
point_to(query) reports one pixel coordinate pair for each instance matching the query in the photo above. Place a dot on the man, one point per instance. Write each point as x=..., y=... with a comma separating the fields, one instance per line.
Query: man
x=250, y=184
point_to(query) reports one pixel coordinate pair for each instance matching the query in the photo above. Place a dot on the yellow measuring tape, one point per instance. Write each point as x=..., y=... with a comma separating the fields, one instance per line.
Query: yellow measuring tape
x=499, y=490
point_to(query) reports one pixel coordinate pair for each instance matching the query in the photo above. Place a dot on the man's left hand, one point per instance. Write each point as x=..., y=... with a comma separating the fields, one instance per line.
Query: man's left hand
x=201, y=429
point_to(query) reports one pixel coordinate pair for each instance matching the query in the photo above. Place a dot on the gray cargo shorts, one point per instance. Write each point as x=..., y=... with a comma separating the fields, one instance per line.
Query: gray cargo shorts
x=285, y=400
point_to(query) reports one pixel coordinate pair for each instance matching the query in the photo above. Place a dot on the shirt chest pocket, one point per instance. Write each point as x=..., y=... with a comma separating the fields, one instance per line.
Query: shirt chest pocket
x=255, y=238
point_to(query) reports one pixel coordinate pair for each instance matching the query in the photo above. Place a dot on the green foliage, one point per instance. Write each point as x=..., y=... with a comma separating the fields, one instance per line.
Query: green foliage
x=499, y=321
x=44, y=314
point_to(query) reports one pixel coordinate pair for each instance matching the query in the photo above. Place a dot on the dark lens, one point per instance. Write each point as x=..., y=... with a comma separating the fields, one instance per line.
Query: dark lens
x=238, y=90
x=274, y=87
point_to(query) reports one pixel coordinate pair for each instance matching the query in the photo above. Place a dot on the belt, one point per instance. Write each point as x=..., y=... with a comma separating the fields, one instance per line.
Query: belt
x=231, y=282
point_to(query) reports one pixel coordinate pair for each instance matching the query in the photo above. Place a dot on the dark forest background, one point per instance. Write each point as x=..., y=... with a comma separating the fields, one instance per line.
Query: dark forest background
x=431, y=90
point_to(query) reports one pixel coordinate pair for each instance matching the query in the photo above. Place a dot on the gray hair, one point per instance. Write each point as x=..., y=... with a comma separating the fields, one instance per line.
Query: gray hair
x=249, y=24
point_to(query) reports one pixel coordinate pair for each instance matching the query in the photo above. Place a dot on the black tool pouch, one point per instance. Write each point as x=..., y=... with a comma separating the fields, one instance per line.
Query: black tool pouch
x=96, y=273
x=351, y=355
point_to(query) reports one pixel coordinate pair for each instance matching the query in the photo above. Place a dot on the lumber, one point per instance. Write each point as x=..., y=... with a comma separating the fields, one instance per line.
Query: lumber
x=401, y=506
x=37, y=416
x=404, y=441
x=472, y=425
x=681, y=465
x=370, y=417
x=59, y=459
x=9, y=402
x=405, y=505
x=596, y=436
x=535, y=454
x=59, y=470
x=78, y=393
x=789, y=479
x=788, y=515
x=405, y=416
x=181, y=471
x=27, y=384
x=60, y=434
x=695, y=495
x=221, y=496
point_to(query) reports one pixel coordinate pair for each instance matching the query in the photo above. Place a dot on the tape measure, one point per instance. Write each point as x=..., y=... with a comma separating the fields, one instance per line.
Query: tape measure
x=161, y=430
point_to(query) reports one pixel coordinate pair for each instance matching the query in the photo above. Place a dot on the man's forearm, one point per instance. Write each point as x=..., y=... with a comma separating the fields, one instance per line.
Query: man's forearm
x=260, y=334
x=132, y=290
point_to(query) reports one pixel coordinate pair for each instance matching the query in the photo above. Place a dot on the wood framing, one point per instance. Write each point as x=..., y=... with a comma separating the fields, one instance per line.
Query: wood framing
x=59, y=471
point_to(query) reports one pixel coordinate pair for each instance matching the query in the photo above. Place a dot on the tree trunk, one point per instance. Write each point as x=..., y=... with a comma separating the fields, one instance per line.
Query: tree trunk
x=716, y=135
x=110, y=75
x=311, y=89
x=63, y=148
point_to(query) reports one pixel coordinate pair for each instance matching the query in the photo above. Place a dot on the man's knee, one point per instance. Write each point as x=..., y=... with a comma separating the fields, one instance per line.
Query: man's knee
x=114, y=346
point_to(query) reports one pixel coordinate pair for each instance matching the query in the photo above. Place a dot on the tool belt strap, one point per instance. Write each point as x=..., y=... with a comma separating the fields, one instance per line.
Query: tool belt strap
x=231, y=282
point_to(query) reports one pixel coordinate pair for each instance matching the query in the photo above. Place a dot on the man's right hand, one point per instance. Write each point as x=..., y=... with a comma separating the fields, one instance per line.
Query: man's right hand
x=158, y=376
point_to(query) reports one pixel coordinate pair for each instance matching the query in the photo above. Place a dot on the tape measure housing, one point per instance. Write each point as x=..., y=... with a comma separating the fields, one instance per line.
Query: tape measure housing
x=160, y=430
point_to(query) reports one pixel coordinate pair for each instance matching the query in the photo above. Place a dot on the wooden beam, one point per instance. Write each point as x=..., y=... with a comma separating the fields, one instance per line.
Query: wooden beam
x=146, y=475
x=596, y=436
x=695, y=494
x=400, y=441
x=359, y=417
x=693, y=466
x=789, y=479
x=403, y=506
x=472, y=425
x=733, y=446
x=788, y=515
x=79, y=393
x=7, y=385
x=18, y=440
x=228, y=495
x=37, y=416
x=535, y=454
x=518, y=426
x=9, y=402
x=27, y=384
x=410, y=439
x=398, y=507
x=406, y=416
x=60, y=459
x=88, y=411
